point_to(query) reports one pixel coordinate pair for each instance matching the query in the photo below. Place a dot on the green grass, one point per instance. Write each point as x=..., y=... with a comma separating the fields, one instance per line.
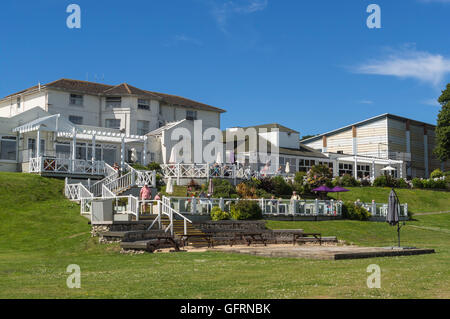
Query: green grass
x=419, y=200
x=41, y=233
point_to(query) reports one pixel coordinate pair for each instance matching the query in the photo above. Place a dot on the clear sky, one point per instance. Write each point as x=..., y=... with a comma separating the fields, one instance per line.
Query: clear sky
x=310, y=65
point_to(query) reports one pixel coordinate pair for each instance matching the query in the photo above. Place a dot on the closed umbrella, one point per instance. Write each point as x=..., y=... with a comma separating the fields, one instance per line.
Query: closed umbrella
x=219, y=158
x=169, y=186
x=173, y=156
x=211, y=188
x=393, y=213
x=288, y=168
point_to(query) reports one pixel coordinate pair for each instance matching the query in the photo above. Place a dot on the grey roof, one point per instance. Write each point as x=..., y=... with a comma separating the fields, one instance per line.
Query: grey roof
x=369, y=120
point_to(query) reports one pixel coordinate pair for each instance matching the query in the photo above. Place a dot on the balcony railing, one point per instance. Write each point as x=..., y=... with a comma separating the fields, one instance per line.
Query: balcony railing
x=269, y=207
x=47, y=164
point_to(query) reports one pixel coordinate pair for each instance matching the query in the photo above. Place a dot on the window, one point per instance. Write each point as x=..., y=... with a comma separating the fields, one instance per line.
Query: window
x=113, y=102
x=8, y=146
x=76, y=99
x=144, y=104
x=345, y=169
x=19, y=100
x=363, y=171
x=32, y=147
x=305, y=165
x=76, y=119
x=113, y=123
x=143, y=127
x=63, y=150
x=191, y=115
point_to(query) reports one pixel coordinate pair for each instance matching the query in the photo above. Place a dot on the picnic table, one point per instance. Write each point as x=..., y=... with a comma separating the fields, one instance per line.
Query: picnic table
x=296, y=234
x=207, y=237
x=249, y=237
x=317, y=236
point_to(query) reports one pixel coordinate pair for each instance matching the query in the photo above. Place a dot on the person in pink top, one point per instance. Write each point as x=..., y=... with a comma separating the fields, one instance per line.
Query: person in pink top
x=145, y=195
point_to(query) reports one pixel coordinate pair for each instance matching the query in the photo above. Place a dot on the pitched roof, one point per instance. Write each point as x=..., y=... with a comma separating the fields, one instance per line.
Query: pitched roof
x=123, y=89
x=181, y=101
x=280, y=127
x=366, y=121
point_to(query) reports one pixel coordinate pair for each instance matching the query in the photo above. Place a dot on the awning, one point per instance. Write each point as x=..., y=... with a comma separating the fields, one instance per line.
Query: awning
x=65, y=129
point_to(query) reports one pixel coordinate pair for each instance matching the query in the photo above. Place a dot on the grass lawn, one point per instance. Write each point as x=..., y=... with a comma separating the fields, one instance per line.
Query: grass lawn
x=41, y=233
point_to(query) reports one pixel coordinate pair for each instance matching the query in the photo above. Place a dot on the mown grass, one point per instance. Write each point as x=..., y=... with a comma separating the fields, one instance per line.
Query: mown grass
x=41, y=233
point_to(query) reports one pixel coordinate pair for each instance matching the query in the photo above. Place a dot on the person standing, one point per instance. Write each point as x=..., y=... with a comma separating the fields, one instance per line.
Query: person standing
x=145, y=195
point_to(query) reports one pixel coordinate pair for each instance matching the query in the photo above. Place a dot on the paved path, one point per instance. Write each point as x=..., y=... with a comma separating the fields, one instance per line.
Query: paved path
x=442, y=230
x=419, y=214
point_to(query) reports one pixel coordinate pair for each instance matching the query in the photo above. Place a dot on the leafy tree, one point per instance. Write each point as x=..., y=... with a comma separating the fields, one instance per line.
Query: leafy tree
x=442, y=150
x=319, y=175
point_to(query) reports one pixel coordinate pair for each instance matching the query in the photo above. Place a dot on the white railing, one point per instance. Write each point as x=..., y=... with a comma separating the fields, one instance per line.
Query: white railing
x=106, y=193
x=121, y=184
x=381, y=210
x=141, y=177
x=77, y=192
x=122, y=205
x=44, y=164
x=269, y=207
x=171, y=213
x=111, y=175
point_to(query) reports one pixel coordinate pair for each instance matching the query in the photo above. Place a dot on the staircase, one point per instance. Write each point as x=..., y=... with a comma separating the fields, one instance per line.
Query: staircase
x=178, y=229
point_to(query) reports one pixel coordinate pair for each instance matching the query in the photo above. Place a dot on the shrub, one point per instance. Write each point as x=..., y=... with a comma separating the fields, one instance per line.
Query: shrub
x=319, y=175
x=245, y=190
x=154, y=166
x=139, y=167
x=246, y=210
x=437, y=173
x=217, y=214
x=366, y=183
x=222, y=188
x=261, y=193
x=345, y=181
x=417, y=183
x=401, y=183
x=355, y=212
x=281, y=187
x=428, y=183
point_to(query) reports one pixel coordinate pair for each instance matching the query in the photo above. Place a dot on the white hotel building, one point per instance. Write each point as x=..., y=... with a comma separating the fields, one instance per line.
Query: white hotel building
x=46, y=120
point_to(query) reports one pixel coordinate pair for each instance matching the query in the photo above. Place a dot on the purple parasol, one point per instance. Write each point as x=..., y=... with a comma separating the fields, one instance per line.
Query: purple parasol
x=323, y=189
x=339, y=189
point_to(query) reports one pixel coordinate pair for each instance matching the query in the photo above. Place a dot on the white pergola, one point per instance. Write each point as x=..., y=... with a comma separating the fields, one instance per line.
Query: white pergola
x=63, y=128
x=369, y=160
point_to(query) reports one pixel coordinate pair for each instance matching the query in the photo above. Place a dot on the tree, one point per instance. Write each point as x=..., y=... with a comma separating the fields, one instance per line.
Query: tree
x=319, y=175
x=442, y=150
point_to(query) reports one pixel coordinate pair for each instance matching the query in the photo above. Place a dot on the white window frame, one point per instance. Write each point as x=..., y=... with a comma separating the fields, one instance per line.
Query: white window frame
x=115, y=126
x=76, y=100
x=144, y=104
x=78, y=117
x=8, y=138
x=114, y=103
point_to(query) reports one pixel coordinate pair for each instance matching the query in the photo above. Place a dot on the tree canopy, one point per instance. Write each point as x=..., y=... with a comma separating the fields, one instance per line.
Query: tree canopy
x=442, y=149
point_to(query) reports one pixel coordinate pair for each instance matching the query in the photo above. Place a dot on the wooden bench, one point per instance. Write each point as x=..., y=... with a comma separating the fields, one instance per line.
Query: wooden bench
x=296, y=234
x=249, y=237
x=207, y=237
x=317, y=236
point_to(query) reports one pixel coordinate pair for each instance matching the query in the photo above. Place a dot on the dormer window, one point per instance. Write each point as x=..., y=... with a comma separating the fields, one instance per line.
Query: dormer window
x=76, y=99
x=114, y=102
x=144, y=104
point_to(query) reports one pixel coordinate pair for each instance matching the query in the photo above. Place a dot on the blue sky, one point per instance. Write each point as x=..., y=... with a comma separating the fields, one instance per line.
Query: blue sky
x=310, y=65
